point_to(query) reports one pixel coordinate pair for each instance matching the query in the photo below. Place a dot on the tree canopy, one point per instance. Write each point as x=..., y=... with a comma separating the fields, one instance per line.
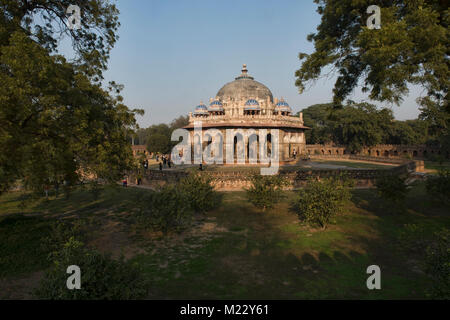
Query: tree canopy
x=56, y=121
x=411, y=47
x=362, y=125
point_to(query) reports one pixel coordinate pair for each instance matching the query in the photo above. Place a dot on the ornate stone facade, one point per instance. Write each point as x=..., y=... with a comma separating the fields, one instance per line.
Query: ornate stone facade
x=246, y=106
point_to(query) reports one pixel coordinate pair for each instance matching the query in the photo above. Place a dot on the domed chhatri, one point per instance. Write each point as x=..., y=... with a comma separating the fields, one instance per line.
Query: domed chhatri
x=282, y=107
x=251, y=104
x=245, y=104
x=201, y=109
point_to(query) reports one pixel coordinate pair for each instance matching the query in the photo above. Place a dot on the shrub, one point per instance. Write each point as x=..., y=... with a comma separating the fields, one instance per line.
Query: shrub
x=101, y=277
x=438, y=265
x=413, y=239
x=392, y=189
x=166, y=210
x=265, y=191
x=319, y=201
x=438, y=187
x=199, y=192
x=61, y=233
x=432, y=251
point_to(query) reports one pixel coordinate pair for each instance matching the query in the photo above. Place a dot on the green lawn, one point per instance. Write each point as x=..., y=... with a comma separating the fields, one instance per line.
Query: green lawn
x=434, y=166
x=236, y=251
x=356, y=164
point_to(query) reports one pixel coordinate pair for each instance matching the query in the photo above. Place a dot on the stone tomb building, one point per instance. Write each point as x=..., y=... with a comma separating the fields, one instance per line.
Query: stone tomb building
x=247, y=106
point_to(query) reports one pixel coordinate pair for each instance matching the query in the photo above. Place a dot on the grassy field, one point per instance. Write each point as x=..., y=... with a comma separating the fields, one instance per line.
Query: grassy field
x=434, y=166
x=234, y=252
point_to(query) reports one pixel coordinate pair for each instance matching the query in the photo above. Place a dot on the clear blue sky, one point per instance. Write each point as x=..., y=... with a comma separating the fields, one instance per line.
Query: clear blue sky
x=174, y=53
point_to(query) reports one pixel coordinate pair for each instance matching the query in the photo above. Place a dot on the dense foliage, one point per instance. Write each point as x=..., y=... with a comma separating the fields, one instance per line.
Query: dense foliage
x=362, y=125
x=393, y=189
x=199, y=192
x=57, y=123
x=101, y=276
x=165, y=210
x=411, y=47
x=172, y=207
x=438, y=264
x=438, y=187
x=431, y=250
x=321, y=200
x=265, y=191
x=157, y=137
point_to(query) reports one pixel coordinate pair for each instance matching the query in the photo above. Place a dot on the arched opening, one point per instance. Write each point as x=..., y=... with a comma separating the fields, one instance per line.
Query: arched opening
x=415, y=153
x=238, y=148
x=252, y=148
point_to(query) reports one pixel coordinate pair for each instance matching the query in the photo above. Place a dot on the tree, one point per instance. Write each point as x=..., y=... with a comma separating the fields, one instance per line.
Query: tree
x=179, y=122
x=265, y=191
x=199, y=192
x=45, y=21
x=165, y=210
x=360, y=125
x=102, y=278
x=438, y=186
x=393, y=189
x=316, y=117
x=158, y=142
x=319, y=201
x=56, y=122
x=412, y=47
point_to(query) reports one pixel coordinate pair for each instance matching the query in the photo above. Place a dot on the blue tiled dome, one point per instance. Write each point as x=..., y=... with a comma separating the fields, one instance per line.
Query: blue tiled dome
x=201, y=108
x=282, y=106
x=251, y=104
x=216, y=105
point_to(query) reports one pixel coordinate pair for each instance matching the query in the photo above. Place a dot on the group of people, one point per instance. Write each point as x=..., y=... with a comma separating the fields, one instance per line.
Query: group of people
x=164, y=161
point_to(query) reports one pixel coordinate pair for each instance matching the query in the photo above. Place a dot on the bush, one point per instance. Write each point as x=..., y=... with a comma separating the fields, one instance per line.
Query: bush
x=438, y=187
x=438, y=265
x=61, y=233
x=166, y=210
x=413, y=239
x=432, y=251
x=320, y=201
x=199, y=192
x=393, y=189
x=101, y=277
x=265, y=191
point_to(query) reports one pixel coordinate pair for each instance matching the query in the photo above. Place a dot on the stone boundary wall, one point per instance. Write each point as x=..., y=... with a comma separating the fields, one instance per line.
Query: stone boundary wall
x=384, y=150
x=239, y=179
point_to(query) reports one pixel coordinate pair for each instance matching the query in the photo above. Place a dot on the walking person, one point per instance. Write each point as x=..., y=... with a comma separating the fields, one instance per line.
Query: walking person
x=160, y=166
x=124, y=182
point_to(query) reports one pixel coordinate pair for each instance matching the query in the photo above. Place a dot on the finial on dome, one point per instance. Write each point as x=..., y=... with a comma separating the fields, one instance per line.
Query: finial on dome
x=244, y=74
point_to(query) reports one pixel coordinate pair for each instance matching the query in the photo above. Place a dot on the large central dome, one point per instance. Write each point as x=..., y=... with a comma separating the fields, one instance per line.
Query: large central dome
x=244, y=88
